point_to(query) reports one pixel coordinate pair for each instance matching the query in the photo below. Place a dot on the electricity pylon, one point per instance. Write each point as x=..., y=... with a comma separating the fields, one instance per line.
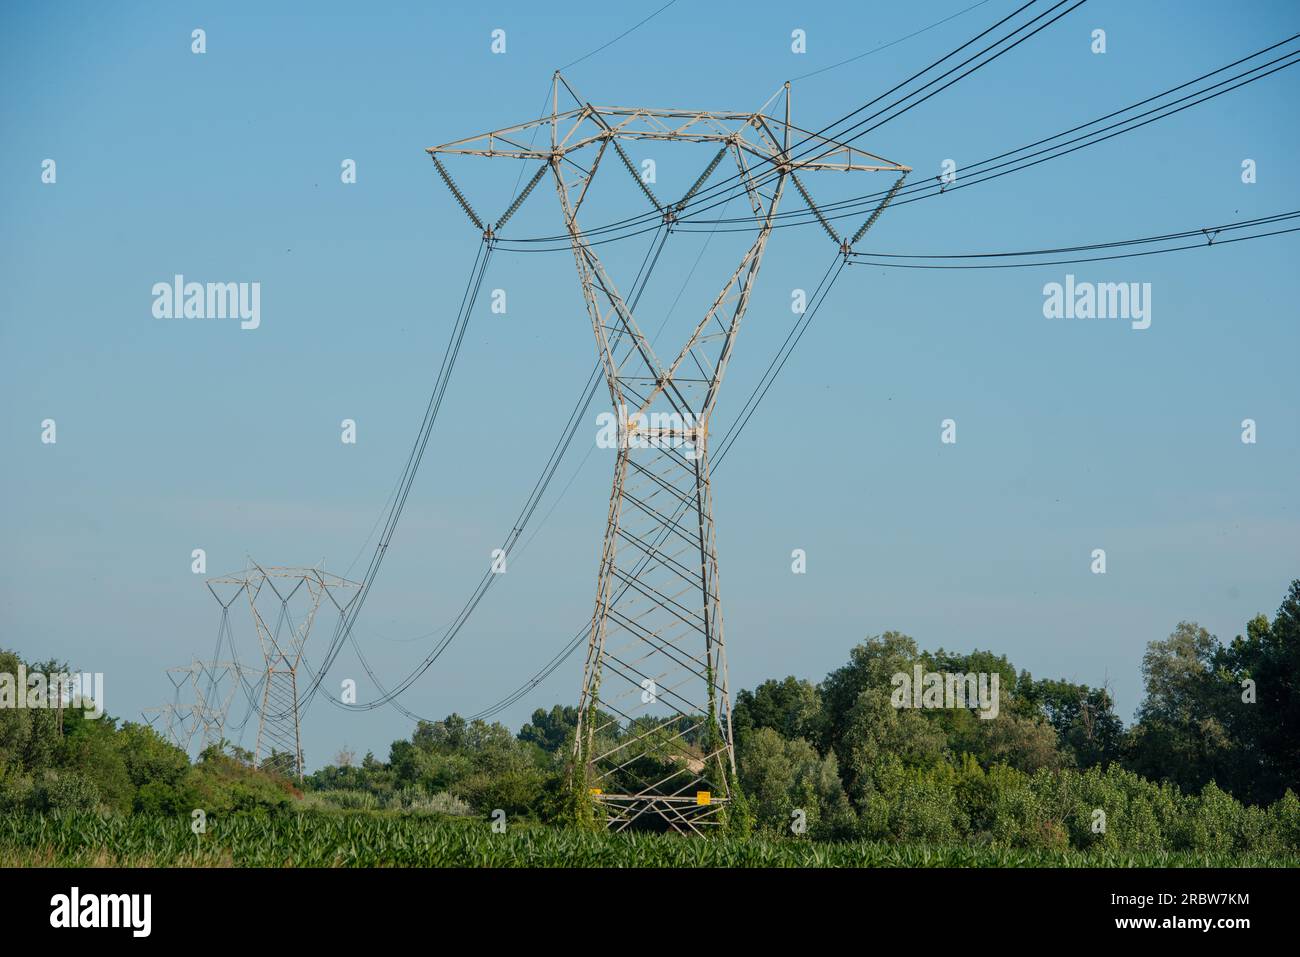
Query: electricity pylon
x=654, y=744
x=279, y=736
x=175, y=722
x=214, y=684
x=178, y=721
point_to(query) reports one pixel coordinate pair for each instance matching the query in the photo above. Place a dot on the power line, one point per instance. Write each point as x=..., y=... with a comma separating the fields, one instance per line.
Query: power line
x=905, y=109
x=855, y=205
x=927, y=187
x=958, y=67
x=792, y=340
x=755, y=397
x=1090, y=259
x=610, y=43
x=483, y=256
x=1207, y=231
x=886, y=46
x=737, y=178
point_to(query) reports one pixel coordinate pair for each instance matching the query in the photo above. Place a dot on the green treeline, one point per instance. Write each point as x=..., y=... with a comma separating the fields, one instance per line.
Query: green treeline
x=1211, y=764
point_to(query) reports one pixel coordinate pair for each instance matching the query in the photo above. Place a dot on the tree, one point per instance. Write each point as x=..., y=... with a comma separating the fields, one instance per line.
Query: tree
x=791, y=707
x=552, y=731
x=1084, y=718
x=1180, y=735
x=787, y=781
x=1026, y=744
x=871, y=666
x=875, y=731
x=156, y=769
x=1267, y=728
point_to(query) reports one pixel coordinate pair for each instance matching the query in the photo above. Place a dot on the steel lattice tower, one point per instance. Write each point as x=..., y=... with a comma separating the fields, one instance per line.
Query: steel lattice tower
x=654, y=739
x=282, y=642
x=214, y=684
x=208, y=682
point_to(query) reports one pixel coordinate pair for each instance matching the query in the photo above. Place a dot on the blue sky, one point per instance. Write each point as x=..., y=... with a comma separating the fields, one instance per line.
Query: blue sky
x=225, y=167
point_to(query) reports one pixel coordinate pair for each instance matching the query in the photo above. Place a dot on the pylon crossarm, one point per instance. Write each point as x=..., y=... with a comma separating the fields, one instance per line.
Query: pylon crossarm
x=638, y=123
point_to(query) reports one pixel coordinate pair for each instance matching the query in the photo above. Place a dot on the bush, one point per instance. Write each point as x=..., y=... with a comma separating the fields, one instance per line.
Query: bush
x=65, y=792
x=346, y=800
x=1003, y=809
x=15, y=792
x=222, y=785
x=160, y=797
x=520, y=792
x=912, y=804
x=1285, y=817
x=779, y=777
x=440, y=803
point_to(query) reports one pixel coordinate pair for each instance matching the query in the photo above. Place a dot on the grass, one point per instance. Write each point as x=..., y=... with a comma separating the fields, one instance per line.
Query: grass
x=365, y=840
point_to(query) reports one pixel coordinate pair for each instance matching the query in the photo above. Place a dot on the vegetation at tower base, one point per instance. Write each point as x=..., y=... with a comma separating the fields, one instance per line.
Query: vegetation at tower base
x=736, y=818
x=1207, y=774
x=583, y=812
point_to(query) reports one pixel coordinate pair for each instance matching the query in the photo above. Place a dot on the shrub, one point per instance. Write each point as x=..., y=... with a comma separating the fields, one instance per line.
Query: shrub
x=1285, y=816
x=912, y=804
x=15, y=792
x=222, y=785
x=65, y=792
x=519, y=792
x=440, y=803
x=346, y=800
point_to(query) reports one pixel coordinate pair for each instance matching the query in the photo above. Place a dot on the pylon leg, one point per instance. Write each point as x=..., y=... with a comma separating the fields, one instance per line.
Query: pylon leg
x=656, y=736
x=654, y=742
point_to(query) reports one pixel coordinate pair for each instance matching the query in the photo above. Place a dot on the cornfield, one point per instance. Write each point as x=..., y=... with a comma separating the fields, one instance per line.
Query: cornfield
x=368, y=840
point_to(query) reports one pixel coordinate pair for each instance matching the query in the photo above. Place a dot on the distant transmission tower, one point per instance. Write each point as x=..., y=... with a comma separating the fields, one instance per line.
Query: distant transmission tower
x=176, y=720
x=214, y=684
x=282, y=639
x=654, y=744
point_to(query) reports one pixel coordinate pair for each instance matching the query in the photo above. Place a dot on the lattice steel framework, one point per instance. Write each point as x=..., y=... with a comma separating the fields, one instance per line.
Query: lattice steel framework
x=214, y=684
x=654, y=741
x=210, y=685
x=282, y=641
x=174, y=721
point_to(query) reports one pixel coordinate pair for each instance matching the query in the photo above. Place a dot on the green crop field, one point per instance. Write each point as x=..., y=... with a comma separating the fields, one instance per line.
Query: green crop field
x=368, y=840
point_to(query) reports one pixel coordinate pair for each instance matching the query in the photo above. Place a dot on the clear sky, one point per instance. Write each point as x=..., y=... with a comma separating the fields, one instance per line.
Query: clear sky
x=225, y=166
